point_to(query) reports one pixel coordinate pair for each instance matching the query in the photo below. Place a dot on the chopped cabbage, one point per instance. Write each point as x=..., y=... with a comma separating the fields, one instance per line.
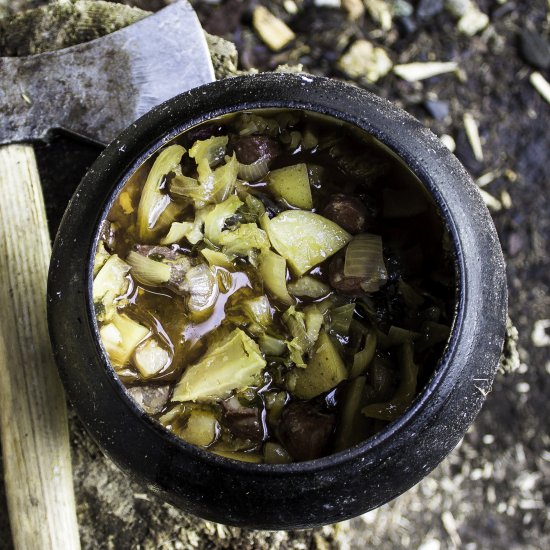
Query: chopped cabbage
x=233, y=364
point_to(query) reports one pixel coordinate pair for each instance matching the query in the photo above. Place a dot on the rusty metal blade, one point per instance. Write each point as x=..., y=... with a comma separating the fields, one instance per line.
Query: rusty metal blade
x=98, y=88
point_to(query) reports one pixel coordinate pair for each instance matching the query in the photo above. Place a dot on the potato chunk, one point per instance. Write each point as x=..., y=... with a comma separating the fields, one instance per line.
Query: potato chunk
x=304, y=239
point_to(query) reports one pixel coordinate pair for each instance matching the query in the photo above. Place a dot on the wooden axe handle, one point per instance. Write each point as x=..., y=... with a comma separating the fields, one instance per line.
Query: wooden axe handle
x=33, y=414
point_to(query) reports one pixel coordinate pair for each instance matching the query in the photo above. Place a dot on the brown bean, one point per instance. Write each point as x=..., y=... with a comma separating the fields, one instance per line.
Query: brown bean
x=348, y=212
x=250, y=148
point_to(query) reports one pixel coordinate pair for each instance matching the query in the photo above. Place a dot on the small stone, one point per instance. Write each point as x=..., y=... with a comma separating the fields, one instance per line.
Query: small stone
x=449, y=142
x=437, y=109
x=274, y=33
x=430, y=544
x=540, y=335
x=457, y=7
x=363, y=60
x=473, y=21
x=429, y=8
x=534, y=49
x=402, y=8
x=516, y=244
x=355, y=8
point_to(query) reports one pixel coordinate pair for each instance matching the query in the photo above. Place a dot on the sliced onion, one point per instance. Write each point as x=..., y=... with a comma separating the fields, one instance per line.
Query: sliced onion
x=340, y=318
x=255, y=171
x=148, y=271
x=365, y=260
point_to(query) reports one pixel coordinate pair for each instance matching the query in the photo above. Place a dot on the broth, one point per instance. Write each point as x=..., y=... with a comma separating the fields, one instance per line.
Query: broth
x=274, y=286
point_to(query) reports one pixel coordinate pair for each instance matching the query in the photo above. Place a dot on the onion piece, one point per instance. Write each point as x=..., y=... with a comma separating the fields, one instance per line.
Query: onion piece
x=271, y=345
x=153, y=202
x=148, y=271
x=273, y=272
x=255, y=171
x=203, y=292
x=365, y=260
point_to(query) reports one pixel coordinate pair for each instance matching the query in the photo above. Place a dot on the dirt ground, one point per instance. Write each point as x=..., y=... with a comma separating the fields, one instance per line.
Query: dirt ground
x=493, y=491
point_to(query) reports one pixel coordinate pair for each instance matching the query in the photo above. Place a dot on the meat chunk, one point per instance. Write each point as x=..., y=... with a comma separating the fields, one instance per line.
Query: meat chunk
x=305, y=431
x=243, y=421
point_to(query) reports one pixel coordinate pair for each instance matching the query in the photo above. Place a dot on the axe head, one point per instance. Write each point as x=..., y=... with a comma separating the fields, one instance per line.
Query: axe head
x=98, y=88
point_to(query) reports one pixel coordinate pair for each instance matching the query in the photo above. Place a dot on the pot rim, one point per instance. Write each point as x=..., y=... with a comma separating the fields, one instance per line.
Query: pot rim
x=397, y=426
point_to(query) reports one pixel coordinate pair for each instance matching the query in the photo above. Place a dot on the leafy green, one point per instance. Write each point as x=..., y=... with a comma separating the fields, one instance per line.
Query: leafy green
x=200, y=427
x=363, y=358
x=241, y=241
x=101, y=257
x=271, y=345
x=215, y=220
x=309, y=287
x=365, y=260
x=215, y=258
x=353, y=427
x=258, y=310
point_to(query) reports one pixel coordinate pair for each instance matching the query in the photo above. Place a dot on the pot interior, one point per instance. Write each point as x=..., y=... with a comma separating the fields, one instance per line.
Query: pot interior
x=410, y=310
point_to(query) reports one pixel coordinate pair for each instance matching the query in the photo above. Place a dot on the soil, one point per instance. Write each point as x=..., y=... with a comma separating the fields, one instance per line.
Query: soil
x=493, y=491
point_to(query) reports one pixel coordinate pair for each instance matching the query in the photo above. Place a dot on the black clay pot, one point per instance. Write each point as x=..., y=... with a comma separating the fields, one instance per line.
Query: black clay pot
x=303, y=494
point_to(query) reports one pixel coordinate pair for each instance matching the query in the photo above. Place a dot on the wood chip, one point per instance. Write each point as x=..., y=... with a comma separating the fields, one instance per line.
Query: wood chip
x=506, y=199
x=380, y=11
x=472, y=133
x=486, y=179
x=413, y=72
x=274, y=33
x=541, y=85
x=363, y=60
x=491, y=202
